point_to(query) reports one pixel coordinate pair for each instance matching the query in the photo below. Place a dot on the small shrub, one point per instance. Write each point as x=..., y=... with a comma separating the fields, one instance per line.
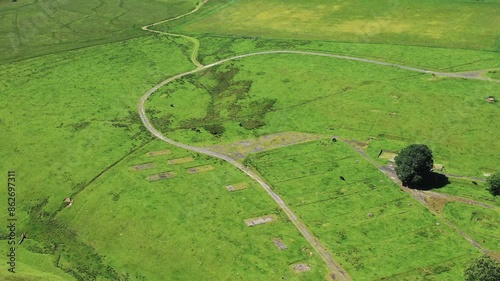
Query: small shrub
x=215, y=129
x=252, y=124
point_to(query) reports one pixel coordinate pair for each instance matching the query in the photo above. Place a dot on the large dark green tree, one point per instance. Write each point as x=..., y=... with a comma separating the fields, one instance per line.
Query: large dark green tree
x=483, y=269
x=494, y=184
x=414, y=164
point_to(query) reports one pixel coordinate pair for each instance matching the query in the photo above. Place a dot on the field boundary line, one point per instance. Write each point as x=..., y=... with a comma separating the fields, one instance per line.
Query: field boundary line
x=417, y=195
x=337, y=272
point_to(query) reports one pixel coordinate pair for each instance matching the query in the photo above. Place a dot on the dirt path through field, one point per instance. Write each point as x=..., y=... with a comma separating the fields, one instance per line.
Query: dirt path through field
x=475, y=75
x=338, y=273
x=423, y=196
x=195, y=41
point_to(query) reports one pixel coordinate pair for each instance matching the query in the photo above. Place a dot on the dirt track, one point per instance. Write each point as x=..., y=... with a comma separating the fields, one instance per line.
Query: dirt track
x=337, y=271
x=423, y=196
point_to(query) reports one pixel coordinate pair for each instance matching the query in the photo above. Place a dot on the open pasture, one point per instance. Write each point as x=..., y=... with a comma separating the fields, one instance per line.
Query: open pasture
x=67, y=119
x=214, y=48
x=188, y=227
x=482, y=223
x=32, y=28
x=143, y=210
x=69, y=116
x=388, y=106
x=436, y=23
x=374, y=229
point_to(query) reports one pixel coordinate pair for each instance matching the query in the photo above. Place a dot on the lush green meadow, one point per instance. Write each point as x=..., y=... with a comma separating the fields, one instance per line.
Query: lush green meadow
x=471, y=189
x=215, y=48
x=68, y=110
x=377, y=231
x=389, y=106
x=31, y=28
x=481, y=223
x=188, y=227
x=437, y=23
x=72, y=73
x=68, y=118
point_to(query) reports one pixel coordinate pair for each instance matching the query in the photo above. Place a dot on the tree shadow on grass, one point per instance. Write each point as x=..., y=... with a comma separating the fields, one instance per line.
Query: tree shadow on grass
x=432, y=181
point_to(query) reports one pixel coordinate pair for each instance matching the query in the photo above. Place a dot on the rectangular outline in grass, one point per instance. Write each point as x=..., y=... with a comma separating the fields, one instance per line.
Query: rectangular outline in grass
x=158, y=153
x=141, y=167
x=180, y=160
x=237, y=186
x=200, y=169
x=161, y=176
x=280, y=244
x=259, y=220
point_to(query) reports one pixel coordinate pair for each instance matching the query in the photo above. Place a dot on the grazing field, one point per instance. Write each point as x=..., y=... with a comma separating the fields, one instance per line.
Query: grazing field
x=140, y=209
x=385, y=106
x=66, y=119
x=67, y=111
x=214, y=48
x=437, y=23
x=377, y=231
x=188, y=227
x=32, y=28
x=482, y=223
x=471, y=189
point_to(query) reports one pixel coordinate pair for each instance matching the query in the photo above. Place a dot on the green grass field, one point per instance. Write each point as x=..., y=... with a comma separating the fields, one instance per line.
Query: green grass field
x=365, y=220
x=356, y=99
x=33, y=28
x=481, y=223
x=72, y=73
x=187, y=226
x=424, y=23
x=71, y=116
x=87, y=99
x=218, y=47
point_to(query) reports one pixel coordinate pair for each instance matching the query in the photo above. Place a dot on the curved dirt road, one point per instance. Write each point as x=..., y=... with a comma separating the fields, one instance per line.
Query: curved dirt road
x=195, y=41
x=337, y=272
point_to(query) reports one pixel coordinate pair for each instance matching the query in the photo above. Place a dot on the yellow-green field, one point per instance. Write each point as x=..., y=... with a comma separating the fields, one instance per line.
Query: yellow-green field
x=453, y=24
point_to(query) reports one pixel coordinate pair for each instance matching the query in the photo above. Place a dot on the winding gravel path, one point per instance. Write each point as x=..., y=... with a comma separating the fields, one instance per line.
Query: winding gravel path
x=337, y=272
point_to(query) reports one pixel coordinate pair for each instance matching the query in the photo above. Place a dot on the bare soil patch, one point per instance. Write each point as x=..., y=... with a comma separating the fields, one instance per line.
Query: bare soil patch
x=141, y=167
x=259, y=220
x=161, y=176
x=437, y=203
x=241, y=149
x=279, y=243
x=301, y=267
x=200, y=169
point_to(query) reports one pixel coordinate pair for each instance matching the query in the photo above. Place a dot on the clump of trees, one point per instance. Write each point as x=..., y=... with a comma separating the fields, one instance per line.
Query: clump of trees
x=483, y=269
x=413, y=164
x=494, y=184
